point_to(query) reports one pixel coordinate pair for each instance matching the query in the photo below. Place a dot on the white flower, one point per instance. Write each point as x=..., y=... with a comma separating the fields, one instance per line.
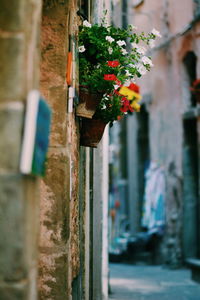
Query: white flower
x=134, y=45
x=141, y=69
x=103, y=107
x=87, y=24
x=106, y=25
x=110, y=50
x=81, y=49
x=146, y=61
x=132, y=65
x=105, y=97
x=134, y=27
x=116, y=86
x=127, y=83
x=109, y=39
x=151, y=43
x=156, y=32
x=133, y=80
x=121, y=43
x=128, y=73
x=124, y=52
x=139, y=49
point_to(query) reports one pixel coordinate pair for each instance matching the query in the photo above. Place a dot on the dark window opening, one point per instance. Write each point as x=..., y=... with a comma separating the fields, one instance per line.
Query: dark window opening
x=84, y=9
x=190, y=63
x=143, y=152
x=190, y=189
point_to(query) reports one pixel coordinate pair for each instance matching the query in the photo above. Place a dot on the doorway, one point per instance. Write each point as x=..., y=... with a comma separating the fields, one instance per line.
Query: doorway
x=190, y=190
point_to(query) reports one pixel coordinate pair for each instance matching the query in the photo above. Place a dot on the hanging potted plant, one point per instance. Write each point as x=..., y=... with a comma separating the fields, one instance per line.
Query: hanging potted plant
x=108, y=73
x=89, y=101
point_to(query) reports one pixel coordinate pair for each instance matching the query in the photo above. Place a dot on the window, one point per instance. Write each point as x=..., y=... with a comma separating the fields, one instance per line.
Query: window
x=84, y=8
x=190, y=63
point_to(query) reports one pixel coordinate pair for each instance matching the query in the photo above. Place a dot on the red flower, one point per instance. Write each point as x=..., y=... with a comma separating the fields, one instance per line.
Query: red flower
x=125, y=101
x=116, y=92
x=118, y=81
x=123, y=108
x=110, y=77
x=134, y=87
x=126, y=108
x=131, y=109
x=113, y=63
x=126, y=105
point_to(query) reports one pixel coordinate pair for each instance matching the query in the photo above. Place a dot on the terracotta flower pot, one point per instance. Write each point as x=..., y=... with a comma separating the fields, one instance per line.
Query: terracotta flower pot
x=91, y=132
x=88, y=103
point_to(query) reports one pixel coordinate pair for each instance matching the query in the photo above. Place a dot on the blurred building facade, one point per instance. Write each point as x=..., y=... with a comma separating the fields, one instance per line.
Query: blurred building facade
x=70, y=203
x=165, y=135
x=167, y=129
x=172, y=111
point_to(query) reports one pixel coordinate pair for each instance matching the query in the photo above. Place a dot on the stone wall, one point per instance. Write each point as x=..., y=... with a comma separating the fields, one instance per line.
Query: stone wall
x=59, y=235
x=19, y=197
x=34, y=39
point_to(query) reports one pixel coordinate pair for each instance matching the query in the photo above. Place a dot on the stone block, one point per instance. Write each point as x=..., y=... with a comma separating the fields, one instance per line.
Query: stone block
x=48, y=4
x=54, y=229
x=13, y=292
x=58, y=101
x=11, y=120
x=54, y=207
x=12, y=224
x=53, y=51
x=12, y=15
x=12, y=75
x=53, y=275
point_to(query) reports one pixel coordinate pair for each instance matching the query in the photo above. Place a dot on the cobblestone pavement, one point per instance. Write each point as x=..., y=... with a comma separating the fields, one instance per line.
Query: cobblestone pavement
x=136, y=282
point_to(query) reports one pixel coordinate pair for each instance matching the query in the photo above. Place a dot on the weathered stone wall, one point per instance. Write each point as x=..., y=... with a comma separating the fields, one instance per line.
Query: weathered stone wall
x=57, y=195
x=59, y=236
x=19, y=198
x=116, y=12
x=167, y=86
x=167, y=66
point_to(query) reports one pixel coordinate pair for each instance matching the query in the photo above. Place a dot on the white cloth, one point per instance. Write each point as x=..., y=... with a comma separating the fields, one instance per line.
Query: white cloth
x=154, y=198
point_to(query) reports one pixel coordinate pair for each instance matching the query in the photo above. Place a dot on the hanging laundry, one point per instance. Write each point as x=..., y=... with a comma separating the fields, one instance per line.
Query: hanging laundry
x=154, y=198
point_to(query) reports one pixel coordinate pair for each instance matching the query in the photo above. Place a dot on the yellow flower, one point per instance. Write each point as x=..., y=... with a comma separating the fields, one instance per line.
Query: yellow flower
x=129, y=93
x=135, y=106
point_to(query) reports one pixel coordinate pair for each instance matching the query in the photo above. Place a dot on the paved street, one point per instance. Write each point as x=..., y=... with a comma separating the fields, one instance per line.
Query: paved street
x=136, y=282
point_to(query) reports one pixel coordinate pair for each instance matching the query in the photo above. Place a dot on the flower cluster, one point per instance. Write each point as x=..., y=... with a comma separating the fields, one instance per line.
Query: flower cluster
x=110, y=60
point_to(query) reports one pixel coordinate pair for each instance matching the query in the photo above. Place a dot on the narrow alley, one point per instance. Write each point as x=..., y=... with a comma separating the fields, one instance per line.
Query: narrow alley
x=139, y=282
